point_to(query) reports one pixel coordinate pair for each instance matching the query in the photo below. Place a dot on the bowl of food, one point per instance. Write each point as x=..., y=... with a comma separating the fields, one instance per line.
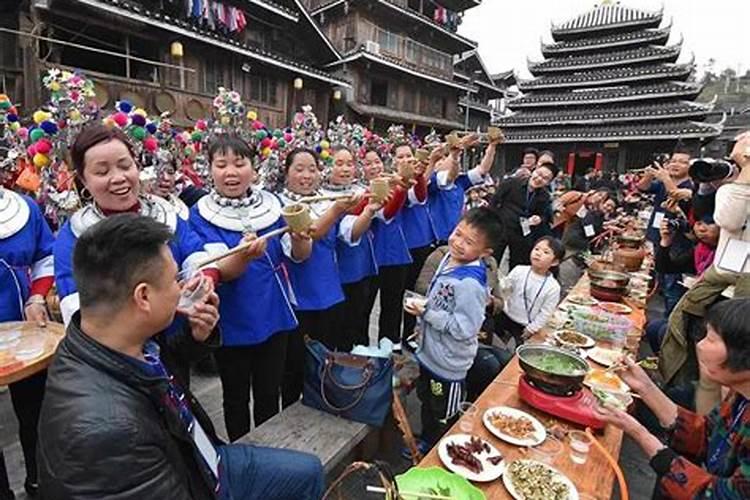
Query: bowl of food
x=618, y=400
x=615, y=279
x=552, y=368
x=574, y=339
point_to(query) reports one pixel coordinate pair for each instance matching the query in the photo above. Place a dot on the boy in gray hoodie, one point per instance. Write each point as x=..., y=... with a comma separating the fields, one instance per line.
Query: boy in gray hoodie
x=449, y=322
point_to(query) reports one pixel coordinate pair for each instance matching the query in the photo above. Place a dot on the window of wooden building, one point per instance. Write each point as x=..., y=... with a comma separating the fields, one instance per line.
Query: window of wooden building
x=378, y=92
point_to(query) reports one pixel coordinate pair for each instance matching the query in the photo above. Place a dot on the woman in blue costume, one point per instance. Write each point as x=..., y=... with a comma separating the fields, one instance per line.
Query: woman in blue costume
x=356, y=263
x=316, y=282
x=107, y=176
x=447, y=189
x=26, y=275
x=255, y=308
x=391, y=254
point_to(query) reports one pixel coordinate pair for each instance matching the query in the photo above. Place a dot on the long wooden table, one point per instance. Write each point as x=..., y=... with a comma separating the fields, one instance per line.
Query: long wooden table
x=594, y=478
x=13, y=370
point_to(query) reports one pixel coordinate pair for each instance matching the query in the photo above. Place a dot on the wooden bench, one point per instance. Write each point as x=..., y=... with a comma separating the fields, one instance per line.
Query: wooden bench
x=298, y=427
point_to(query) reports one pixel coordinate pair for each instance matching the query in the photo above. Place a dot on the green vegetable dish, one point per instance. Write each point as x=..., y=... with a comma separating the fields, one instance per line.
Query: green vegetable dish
x=554, y=363
x=535, y=481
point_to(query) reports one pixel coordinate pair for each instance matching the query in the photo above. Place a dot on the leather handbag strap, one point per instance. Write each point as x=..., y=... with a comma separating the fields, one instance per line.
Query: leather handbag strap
x=362, y=387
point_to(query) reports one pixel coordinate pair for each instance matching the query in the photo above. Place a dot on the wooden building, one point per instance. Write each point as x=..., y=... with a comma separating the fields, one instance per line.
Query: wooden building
x=608, y=94
x=478, y=107
x=399, y=56
x=172, y=55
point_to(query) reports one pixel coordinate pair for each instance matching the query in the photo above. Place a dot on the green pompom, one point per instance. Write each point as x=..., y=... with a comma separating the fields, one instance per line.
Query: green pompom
x=281, y=143
x=36, y=134
x=278, y=133
x=139, y=133
x=196, y=136
x=261, y=134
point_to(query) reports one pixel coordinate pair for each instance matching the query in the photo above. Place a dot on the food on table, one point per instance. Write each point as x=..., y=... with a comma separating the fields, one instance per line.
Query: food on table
x=604, y=379
x=614, y=308
x=651, y=363
x=553, y=362
x=437, y=491
x=573, y=338
x=476, y=445
x=463, y=455
x=517, y=427
x=606, y=357
x=582, y=300
x=615, y=400
x=558, y=431
x=495, y=460
x=535, y=481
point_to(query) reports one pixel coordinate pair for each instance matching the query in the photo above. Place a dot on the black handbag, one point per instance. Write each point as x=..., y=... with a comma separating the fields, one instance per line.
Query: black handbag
x=354, y=387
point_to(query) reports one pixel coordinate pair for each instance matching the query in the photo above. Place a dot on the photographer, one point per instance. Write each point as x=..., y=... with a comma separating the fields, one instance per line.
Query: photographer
x=672, y=180
x=730, y=268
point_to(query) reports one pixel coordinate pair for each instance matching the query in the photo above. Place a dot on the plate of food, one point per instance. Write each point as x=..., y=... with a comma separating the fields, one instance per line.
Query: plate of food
x=471, y=457
x=582, y=300
x=578, y=351
x=514, y=426
x=575, y=339
x=531, y=480
x=605, y=357
x=606, y=380
x=614, y=308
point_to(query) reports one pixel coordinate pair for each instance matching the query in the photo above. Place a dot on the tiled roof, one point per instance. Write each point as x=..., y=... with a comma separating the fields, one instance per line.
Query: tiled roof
x=607, y=59
x=403, y=117
x=682, y=129
x=609, y=76
x=653, y=37
x=606, y=114
x=604, y=95
x=607, y=15
x=181, y=26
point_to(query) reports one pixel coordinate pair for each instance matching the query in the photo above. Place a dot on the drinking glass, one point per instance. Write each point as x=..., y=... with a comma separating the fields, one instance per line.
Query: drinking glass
x=547, y=451
x=580, y=444
x=192, y=288
x=467, y=412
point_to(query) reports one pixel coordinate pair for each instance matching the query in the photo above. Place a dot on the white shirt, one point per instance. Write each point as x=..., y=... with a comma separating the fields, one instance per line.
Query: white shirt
x=541, y=298
x=732, y=213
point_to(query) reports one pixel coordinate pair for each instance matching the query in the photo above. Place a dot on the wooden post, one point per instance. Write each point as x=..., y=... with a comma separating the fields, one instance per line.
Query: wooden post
x=32, y=98
x=127, y=56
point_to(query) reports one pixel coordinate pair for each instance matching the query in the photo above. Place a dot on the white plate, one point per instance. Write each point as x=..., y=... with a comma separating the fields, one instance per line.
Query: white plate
x=540, y=434
x=604, y=357
x=9, y=339
x=617, y=308
x=489, y=472
x=508, y=482
x=589, y=341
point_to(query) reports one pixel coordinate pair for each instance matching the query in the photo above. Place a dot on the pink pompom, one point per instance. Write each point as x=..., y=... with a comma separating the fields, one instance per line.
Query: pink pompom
x=31, y=150
x=201, y=125
x=258, y=125
x=43, y=146
x=120, y=118
x=288, y=137
x=22, y=132
x=179, y=138
x=150, y=144
x=265, y=143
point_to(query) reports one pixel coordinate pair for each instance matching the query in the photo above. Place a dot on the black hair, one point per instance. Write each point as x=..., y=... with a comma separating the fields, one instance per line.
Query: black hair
x=558, y=249
x=682, y=148
x=298, y=151
x=114, y=255
x=729, y=319
x=485, y=220
x=547, y=152
x=402, y=144
x=531, y=151
x=552, y=168
x=340, y=147
x=227, y=142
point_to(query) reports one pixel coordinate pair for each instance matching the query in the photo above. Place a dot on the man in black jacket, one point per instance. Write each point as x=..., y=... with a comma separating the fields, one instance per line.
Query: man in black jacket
x=524, y=207
x=115, y=423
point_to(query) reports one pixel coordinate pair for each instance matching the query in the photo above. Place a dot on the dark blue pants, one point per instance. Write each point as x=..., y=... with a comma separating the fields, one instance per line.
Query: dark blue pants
x=656, y=329
x=254, y=472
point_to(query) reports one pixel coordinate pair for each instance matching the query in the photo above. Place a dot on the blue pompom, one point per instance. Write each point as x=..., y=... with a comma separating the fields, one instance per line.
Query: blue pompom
x=50, y=128
x=318, y=149
x=12, y=118
x=151, y=127
x=125, y=106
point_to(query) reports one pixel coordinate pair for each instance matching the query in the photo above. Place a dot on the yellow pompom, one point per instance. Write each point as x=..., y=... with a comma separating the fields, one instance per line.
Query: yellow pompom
x=140, y=111
x=75, y=115
x=325, y=154
x=109, y=122
x=252, y=116
x=54, y=86
x=225, y=120
x=39, y=116
x=40, y=160
x=15, y=126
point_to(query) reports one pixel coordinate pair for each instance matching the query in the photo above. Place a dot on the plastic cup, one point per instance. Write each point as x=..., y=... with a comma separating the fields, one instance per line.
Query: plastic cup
x=548, y=451
x=580, y=444
x=468, y=413
x=414, y=298
x=192, y=288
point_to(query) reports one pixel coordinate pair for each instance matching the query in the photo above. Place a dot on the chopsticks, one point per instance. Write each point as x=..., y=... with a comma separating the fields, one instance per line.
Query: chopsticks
x=620, y=366
x=241, y=247
x=328, y=197
x=412, y=494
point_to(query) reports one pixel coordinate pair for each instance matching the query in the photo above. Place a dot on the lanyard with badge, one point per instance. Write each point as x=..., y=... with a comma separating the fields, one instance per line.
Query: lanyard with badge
x=525, y=226
x=538, y=293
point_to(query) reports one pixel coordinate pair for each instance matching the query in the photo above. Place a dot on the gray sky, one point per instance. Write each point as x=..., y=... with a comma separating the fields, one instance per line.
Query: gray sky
x=509, y=30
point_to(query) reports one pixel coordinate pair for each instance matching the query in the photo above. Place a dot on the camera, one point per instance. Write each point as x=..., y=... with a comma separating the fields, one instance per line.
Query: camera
x=711, y=169
x=677, y=224
x=660, y=158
